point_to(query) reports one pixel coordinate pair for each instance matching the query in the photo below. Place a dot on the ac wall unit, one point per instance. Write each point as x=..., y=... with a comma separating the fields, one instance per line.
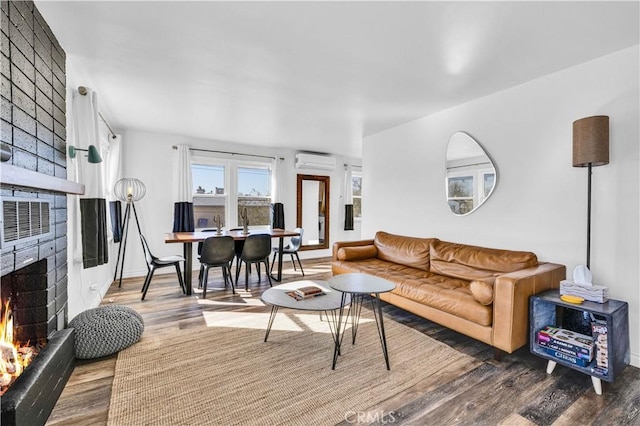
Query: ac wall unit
x=313, y=161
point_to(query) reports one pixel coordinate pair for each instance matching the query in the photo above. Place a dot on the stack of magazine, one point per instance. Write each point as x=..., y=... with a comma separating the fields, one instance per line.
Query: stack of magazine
x=306, y=292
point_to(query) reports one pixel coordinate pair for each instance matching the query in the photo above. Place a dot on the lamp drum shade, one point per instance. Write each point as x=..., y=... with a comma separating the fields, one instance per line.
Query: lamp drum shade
x=591, y=141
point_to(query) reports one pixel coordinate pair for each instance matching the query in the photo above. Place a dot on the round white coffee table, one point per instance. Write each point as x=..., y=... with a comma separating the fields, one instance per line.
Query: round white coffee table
x=353, y=288
x=328, y=303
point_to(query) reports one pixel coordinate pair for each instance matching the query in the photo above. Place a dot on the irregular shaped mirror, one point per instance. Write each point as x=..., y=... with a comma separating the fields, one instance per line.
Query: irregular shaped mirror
x=471, y=176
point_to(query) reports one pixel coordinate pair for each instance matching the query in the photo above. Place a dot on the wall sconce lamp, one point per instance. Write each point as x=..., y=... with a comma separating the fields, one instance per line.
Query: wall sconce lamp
x=590, y=148
x=92, y=153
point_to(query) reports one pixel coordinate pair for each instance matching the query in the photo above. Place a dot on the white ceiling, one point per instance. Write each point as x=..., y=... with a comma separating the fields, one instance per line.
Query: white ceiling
x=318, y=75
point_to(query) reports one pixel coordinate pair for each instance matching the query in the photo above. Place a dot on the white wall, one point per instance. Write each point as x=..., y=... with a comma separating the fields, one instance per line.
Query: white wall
x=540, y=200
x=149, y=157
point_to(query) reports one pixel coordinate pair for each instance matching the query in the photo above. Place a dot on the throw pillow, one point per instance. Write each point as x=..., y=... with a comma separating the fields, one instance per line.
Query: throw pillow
x=482, y=290
x=357, y=253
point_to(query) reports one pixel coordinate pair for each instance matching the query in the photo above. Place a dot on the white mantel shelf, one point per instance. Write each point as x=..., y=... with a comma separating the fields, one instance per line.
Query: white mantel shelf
x=18, y=176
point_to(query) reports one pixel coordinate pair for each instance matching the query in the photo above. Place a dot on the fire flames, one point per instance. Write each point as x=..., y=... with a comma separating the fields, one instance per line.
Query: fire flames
x=13, y=358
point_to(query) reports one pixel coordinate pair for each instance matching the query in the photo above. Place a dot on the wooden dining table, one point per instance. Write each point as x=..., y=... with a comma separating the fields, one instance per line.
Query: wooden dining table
x=188, y=238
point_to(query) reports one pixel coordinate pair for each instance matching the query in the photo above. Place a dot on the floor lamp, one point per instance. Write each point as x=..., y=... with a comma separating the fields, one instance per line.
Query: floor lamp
x=590, y=148
x=128, y=190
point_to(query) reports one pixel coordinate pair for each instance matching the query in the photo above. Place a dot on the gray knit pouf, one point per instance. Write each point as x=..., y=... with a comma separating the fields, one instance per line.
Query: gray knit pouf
x=106, y=330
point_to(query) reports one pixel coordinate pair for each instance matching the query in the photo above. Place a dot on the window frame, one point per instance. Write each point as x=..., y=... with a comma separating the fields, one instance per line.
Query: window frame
x=231, y=167
x=249, y=165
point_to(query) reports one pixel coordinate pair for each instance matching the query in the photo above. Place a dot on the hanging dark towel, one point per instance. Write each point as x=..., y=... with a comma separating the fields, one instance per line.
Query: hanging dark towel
x=183, y=217
x=348, y=217
x=277, y=216
x=115, y=211
x=95, y=249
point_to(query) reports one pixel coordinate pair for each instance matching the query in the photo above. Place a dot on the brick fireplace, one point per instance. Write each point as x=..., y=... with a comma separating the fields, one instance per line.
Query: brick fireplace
x=34, y=270
x=34, y=127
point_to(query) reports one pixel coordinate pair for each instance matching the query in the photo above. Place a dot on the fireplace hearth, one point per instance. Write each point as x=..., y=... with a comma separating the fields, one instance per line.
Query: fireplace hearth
x=31, y=398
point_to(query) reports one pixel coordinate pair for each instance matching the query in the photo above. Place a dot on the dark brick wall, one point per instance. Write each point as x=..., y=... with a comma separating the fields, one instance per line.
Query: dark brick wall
x=33, y=120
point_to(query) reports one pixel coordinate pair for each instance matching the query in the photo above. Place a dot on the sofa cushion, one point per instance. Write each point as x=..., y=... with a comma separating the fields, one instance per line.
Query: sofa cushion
x=409, y=251
x=476, y=263
x=482, y=290
x=357, y=253
x=439, y=292
x=380, y=268
x=448, y=295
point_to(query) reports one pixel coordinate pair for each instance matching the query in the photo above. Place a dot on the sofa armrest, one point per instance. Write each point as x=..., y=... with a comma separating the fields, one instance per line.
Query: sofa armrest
x=511, y=302
x=339, y=244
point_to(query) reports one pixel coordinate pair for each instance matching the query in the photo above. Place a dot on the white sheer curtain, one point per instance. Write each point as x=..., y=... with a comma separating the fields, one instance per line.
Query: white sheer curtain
x=110, y=150
x=348, y=198
x=276, y=181
x=85, y=131
x=348, y=195
x=111, y=156
x=277, y=208
x=183, y=191
x=84, y=126
x=183, y=187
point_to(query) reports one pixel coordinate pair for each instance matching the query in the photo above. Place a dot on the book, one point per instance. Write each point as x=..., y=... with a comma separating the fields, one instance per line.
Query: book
x=296, y=296
x=566, y=357
x=568, y=339
x=564, y=350
x=545, y=340
x=308, y=291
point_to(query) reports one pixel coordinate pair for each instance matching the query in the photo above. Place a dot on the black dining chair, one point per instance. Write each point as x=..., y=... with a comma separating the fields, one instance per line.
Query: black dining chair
x=239, y=246
x=256, y=249
x=199, y=252
x=217, y=251
x=291, y=249
x=154, y=263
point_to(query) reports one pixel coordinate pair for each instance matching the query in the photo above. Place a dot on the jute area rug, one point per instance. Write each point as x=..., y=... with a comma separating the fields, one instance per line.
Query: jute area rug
x=225, y=374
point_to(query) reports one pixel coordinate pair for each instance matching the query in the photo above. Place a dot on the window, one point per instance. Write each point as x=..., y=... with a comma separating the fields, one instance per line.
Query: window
x=356, y=193
x=209, y=198
x=254, y=194
x=226, y=187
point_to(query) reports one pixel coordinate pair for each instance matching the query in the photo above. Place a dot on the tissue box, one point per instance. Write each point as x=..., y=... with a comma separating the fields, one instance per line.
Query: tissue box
x=594, y=293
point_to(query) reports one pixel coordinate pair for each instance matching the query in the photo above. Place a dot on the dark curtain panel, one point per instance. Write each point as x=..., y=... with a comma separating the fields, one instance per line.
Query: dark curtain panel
x=183, y=217
x=95, y=249
x=348, y=217
x=115, y=211
x=277, y=216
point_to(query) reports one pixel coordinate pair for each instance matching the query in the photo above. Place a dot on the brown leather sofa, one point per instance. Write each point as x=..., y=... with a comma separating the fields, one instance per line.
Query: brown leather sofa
x=477, y=291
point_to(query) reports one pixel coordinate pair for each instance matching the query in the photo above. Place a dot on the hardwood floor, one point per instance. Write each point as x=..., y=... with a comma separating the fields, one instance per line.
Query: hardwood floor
x=513, y=391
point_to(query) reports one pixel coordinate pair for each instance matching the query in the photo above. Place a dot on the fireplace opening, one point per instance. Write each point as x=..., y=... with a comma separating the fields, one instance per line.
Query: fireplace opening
x=33, y=318
x=14, y=357
x=32, y=292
